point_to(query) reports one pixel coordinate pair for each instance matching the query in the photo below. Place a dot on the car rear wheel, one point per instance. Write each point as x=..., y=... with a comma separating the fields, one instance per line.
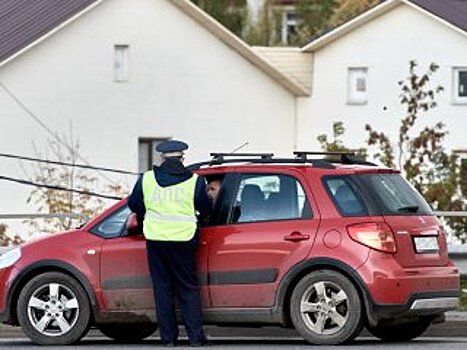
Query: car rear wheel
x=400, y=332
x=54, y=309
x=128, y=333
x=326, y=309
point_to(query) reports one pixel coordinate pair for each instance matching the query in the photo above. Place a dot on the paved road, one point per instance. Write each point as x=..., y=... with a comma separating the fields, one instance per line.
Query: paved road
x=256, y=343
x=450, y=335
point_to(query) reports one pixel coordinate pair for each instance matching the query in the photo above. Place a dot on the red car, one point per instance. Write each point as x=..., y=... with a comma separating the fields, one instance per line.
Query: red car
x=324, y=246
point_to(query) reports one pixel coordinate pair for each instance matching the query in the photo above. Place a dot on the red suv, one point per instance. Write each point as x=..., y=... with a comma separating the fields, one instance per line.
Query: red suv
x=324, y=246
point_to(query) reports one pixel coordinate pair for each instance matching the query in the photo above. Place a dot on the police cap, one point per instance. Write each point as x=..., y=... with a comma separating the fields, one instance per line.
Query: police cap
x=172, y=148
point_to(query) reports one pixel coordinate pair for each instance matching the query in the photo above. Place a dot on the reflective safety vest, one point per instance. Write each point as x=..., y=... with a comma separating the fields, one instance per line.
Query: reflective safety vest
x=170, y=211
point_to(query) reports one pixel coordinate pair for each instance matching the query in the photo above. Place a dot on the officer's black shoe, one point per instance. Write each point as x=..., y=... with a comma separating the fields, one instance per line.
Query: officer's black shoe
x=169, y=345
x=199, y=343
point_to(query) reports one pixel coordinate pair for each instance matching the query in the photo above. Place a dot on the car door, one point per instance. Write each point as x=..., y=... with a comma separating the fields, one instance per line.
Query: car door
x=125, y=278
x=269, y=227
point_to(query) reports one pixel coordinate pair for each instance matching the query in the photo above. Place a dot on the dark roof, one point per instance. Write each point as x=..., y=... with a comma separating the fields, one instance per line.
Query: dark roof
x=452, y=11
x=24, y=21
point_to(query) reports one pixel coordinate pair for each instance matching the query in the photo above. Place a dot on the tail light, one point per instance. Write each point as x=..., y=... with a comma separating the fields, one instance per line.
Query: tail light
x=376, y=235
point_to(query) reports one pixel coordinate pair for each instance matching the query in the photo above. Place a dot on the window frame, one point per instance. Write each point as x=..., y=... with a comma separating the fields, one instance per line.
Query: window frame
x=95, y=228
x=287, y=24
x=121, y=63
x=236, y=186
x=352, y=77
x=221, y=211
x=150, y=157
x=356, y=189
x=456, y=99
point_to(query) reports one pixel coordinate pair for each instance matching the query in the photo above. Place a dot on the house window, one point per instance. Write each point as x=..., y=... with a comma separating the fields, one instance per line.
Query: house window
x=357, y=86
x=147, y=155
x=460, y=85
x=289, y=26
x=121, y=62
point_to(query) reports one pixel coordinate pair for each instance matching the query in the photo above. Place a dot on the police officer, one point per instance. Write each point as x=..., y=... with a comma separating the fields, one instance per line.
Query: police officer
x=165, y=199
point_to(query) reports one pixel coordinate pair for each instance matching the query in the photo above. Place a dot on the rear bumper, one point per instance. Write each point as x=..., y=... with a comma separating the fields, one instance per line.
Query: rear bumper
x=394, y=292
x=388, y=283
x=431, y=305
x=442, y=303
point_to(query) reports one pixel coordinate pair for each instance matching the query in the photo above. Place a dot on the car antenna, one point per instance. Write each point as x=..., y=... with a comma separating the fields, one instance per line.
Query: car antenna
x=240, y=147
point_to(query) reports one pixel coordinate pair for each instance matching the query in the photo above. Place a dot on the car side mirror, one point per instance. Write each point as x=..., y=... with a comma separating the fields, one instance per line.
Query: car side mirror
x=132, y=226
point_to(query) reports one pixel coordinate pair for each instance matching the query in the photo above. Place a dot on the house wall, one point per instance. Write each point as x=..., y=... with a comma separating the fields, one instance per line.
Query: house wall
x=385, y=46
x=183, y=83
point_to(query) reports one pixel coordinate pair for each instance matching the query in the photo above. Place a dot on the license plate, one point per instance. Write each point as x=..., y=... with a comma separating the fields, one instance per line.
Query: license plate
x=426, y=244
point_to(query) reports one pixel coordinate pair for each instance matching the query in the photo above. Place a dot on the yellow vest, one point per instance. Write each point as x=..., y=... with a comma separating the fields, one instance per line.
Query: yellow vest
x=170, y=211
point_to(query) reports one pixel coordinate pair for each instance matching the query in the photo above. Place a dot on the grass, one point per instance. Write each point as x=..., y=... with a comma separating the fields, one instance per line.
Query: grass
x=463, y=301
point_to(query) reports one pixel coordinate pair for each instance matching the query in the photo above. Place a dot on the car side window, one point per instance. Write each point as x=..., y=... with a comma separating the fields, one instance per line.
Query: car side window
x=348, y=202
x=113, y=225
x=268, y=197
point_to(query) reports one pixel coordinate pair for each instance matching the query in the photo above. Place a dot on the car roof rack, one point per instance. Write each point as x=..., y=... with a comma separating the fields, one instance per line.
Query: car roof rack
x=219, y=158
x=349, y=157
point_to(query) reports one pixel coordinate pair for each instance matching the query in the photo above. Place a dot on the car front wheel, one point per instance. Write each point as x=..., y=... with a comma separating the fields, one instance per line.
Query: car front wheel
x=53, y=309
x=326, y=309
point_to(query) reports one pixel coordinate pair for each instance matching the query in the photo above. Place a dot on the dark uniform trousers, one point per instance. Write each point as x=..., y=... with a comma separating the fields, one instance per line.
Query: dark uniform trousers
x=173, y=272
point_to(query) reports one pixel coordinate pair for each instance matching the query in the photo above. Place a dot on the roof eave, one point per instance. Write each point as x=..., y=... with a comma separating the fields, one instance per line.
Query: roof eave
x=437, y=18
x=238, y=45
x=351, y=25
x=51, y=32
x=368, y=16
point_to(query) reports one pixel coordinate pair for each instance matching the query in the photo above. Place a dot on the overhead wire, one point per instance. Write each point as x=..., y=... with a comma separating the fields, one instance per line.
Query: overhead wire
x=31, y=114
x=83, y=166
x=58, y=188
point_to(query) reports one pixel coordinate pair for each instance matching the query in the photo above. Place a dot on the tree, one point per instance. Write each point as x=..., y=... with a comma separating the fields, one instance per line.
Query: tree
x=415, y=153
x=52, y=201
x=420, y=154
x=231, y=13
x=313, y=17
x=347, y=9
x=6, y=239
x=337, y=145
x=265, y=31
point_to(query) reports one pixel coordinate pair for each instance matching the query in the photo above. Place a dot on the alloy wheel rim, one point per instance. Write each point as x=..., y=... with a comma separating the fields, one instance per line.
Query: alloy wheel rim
x=324, y=308
x=53, y=309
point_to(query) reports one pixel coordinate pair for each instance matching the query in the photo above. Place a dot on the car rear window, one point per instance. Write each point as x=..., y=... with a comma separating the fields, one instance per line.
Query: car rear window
x=395, y=195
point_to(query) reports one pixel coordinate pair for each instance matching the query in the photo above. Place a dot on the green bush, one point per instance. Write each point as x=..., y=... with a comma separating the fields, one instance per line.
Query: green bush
x=463, y=301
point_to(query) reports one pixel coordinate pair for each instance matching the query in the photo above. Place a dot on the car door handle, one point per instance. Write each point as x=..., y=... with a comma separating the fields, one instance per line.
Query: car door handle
x=296, y=237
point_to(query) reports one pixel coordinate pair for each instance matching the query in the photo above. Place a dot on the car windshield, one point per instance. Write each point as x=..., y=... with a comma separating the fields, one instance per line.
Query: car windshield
x=395, y=195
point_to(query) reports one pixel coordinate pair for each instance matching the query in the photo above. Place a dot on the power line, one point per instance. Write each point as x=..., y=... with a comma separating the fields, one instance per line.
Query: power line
x=30, y=113
x=58, y=188
x=84, y=166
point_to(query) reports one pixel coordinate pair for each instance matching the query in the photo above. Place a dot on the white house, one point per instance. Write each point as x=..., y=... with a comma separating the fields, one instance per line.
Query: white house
x=357, y=66
x=123, y=75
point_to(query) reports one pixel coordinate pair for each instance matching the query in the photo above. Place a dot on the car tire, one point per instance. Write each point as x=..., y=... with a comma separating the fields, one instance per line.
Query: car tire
x=400, y=332
x=54, y=309
x=325, y=308
x=127, y=333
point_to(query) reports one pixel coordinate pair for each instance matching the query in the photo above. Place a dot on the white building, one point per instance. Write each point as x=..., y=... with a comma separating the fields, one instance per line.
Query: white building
x=127, y=74
x=357, y=66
